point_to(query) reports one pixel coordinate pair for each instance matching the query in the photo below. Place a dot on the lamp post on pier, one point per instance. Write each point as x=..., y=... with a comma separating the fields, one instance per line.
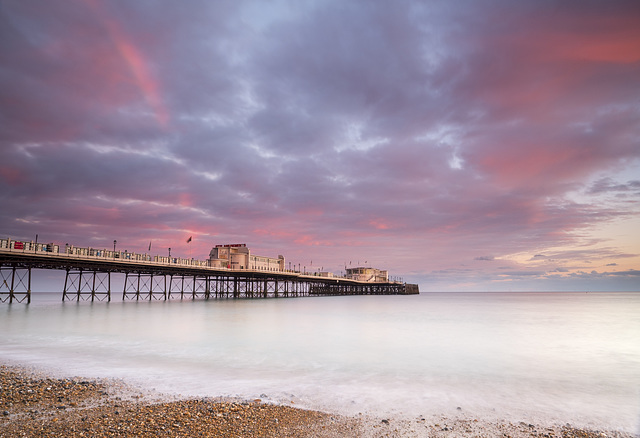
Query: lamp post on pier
x=114, y=248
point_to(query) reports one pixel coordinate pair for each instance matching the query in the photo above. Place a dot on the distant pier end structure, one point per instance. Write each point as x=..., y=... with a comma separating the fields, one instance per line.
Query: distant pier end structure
x=231, y=271
x=367, y=274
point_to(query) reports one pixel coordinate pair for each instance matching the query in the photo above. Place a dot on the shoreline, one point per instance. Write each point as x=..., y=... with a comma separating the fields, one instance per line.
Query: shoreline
x=32, y=403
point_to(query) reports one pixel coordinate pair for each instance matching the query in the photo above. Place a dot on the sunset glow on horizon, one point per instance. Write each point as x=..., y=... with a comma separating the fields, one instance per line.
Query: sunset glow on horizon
x=492, y=146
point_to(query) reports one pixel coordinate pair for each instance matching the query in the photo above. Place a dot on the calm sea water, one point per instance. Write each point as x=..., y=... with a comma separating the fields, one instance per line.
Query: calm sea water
x=553, y=357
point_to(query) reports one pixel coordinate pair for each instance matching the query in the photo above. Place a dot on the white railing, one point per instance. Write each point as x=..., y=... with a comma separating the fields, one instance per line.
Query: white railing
x=5, y=246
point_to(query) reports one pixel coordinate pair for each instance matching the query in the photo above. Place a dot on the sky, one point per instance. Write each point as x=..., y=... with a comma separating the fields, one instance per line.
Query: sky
x=484, y=145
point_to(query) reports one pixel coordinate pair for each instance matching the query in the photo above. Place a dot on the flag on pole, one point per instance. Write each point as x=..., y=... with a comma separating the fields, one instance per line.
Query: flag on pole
x=189, y=239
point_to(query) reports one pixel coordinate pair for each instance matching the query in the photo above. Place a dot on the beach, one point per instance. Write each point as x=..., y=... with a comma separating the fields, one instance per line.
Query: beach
x=33, y=404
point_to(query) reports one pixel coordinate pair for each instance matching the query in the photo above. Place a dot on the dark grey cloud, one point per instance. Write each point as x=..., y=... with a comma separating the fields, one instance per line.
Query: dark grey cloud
x=606, y=185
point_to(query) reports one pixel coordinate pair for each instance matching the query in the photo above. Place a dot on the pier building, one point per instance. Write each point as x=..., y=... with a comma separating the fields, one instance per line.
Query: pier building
x=238, y=256
x=369, y=275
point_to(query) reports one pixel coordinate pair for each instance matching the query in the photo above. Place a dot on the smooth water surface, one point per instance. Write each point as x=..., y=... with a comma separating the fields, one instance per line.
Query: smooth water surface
x=555, y=357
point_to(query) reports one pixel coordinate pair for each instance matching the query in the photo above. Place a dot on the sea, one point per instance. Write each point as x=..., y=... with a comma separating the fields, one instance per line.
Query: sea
x=552, y=358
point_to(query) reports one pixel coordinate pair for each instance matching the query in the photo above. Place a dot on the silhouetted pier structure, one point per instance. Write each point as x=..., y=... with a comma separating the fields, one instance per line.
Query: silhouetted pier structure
x=89, y=278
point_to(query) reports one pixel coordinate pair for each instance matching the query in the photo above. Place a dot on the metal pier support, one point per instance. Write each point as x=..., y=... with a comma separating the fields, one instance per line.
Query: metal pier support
x=87, y=284
x=15, y=284
x=141, y=285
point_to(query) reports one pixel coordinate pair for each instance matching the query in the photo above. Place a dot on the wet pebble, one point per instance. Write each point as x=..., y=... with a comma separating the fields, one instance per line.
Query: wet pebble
x=41, y=406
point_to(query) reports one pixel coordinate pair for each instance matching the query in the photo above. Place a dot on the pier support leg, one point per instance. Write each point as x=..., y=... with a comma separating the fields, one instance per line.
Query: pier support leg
x=138, y=285
x=86, y=285
x=79, y=284
x=200, y=287
x=124, y=291
x=158, y=287
x=15, y=284
x=101, y=288
x=93, y=287
x=72, y=285
x=132, y=285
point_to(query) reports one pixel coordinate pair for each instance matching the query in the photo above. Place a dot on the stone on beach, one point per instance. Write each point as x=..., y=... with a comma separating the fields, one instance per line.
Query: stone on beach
x=32, y=405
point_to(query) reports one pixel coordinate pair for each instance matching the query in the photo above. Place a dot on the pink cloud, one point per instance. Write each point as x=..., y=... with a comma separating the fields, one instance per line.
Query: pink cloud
x=12, y=176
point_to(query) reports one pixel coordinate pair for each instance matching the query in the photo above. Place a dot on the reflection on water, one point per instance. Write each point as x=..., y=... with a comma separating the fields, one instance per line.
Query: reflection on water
x=556, y=357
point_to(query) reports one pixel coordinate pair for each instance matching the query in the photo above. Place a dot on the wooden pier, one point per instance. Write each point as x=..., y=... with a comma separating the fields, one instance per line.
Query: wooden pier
x=89, y=278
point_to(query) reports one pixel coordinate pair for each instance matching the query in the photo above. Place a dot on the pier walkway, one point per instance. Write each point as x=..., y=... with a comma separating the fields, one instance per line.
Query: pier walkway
x=89, y=278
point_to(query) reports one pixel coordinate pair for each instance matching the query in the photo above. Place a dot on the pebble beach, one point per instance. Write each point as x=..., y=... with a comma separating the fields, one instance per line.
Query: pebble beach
x=37, y=405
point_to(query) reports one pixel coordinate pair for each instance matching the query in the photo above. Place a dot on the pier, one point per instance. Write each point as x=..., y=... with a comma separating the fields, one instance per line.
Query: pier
x=89, y=277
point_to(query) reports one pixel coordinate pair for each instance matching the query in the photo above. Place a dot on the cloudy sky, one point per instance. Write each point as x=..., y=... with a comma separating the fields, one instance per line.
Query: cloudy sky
x=470, y=145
